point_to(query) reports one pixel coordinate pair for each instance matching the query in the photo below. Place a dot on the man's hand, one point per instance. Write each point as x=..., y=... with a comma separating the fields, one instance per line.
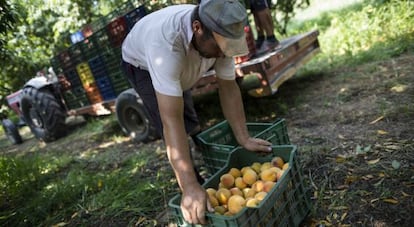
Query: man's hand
x=258, y=145
x=194, y=203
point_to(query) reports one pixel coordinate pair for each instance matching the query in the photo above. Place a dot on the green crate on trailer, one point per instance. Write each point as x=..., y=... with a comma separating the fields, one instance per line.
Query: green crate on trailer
x=218, y=142
x=286, y=204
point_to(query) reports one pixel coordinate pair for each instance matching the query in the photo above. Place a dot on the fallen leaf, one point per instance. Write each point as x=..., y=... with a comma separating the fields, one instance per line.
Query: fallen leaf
x=382, y=132
x=343, y=216
x=340, y=159
x=372, y=162
x=392, y=201
x=396, y=164
x=376, y=120
x=399, y=88
x=374, y=200
x=339, y=208
x=405, y=194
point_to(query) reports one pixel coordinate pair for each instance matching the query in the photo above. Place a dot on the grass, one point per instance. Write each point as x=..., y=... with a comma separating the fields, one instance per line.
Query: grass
x=104, y=180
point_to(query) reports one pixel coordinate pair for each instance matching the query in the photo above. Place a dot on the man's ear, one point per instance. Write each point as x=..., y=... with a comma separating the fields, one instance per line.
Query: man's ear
x=197, y=28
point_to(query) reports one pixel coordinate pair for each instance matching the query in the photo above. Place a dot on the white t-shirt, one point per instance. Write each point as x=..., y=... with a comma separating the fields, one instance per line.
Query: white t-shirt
x=161, y=43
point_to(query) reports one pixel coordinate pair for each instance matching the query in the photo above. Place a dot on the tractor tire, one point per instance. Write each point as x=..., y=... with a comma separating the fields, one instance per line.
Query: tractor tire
x=43, y=114
x=133, y=118
x=12, y=132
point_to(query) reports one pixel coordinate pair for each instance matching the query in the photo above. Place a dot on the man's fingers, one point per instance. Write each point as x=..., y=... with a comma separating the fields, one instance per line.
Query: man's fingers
x=201, y=216
x=186, y=215
x=209, y=206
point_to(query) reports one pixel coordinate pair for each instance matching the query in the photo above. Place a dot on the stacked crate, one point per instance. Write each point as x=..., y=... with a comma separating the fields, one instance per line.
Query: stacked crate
x=92, y=65
x=89, y=83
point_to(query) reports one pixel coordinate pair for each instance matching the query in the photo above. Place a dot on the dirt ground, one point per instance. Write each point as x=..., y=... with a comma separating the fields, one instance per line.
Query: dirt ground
x=354, y=128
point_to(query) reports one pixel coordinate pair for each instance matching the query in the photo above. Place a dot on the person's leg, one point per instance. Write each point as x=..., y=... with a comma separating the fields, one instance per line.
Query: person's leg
x=141, y=81
x=264, y=23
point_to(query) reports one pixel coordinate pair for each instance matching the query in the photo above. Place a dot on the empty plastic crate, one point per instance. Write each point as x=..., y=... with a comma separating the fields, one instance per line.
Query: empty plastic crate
x=218, y=142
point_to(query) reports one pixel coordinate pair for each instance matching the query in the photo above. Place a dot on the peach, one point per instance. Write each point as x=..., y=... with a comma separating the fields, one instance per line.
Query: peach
x=211, y=191
x=256, y=166
x=236, y=191
x=249, y=176
x=223, y=195
x=285, y=166
x=278, y=162
x=249, y=193
x=238, y=182
x=268, y=175
x=227, y=180
x=243, y=170
x=260, y=195
x=268, y=185
x=236, y=204
x=258, y=186
x=252, y=202
x=220, y=210
x=235, y=172
x=213, y=200
x=265, y=165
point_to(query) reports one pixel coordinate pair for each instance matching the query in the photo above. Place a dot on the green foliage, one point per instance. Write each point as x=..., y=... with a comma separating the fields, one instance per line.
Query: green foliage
x=82, y=189
x=284, y=10
x=368, y=31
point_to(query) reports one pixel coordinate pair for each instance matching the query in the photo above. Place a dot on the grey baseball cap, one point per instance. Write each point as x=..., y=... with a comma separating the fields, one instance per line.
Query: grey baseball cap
x=226, y=19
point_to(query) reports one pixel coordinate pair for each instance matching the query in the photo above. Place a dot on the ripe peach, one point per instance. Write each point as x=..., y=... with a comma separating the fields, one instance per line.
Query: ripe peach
x=243, y=170
x=220, y=210
x=265, y=165
x=268, y=175
x=285, y=166
x=211, y=191
x=256, y=166
x=268, y=185
x=235, y=172
x=278, y=162
x=260, y=195
x=236, y=191
x=227, y=180
x=258, y=186
x=249, y=192
x=213, y=200
x=249, y=176
x=236, y=203
x=223, y=195
x=252, y=202
x=238, y=182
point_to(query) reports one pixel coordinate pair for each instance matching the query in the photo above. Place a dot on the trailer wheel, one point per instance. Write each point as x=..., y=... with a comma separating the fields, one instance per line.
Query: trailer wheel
x=133, y=118
x=12, y=132
x=43, y=114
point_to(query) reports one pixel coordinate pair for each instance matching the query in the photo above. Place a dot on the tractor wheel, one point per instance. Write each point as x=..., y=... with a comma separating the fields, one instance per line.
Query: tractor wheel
x=133, y=118
x=43, y=114
x=12, y=132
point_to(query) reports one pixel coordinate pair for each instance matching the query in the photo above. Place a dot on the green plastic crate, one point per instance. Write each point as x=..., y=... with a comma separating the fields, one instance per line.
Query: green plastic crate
x=287, y=204
x=218, y=142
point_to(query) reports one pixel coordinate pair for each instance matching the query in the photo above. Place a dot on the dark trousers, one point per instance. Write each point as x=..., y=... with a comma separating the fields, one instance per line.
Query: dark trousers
x=141, y=81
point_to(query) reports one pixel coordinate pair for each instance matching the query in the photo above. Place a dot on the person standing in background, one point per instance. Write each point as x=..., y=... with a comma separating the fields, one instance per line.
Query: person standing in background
x=266, y=39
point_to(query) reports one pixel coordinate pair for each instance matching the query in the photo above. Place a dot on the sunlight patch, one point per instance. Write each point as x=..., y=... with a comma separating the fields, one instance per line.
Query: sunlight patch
x=399, y=88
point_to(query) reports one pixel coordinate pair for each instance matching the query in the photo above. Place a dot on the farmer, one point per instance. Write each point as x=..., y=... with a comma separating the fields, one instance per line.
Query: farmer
x=164, y=55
